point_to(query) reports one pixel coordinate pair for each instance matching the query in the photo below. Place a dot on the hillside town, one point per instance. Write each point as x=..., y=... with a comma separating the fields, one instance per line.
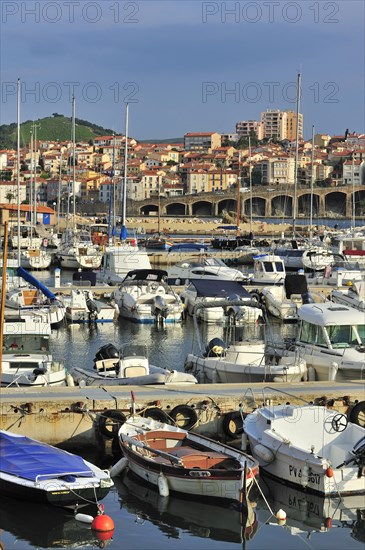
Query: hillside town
x=258, y=153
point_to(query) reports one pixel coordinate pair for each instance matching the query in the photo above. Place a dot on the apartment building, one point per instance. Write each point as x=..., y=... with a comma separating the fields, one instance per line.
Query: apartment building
x=202, y=141
x=280, y=124
x=353, y=172
x=245, y=127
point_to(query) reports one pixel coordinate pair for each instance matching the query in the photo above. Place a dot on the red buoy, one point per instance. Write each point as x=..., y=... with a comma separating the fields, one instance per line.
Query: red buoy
x=102, y=523
x=103, y=535
x=329, y=472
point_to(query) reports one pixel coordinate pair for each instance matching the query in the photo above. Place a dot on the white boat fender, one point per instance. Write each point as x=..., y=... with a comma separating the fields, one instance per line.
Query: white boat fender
x=244, y=442
x=118, y=467
x=85, y=518
x=281, y=516
x=163, y=485
x=332, y=372
x=264, y=453
x=69, y=379
x=311, y=373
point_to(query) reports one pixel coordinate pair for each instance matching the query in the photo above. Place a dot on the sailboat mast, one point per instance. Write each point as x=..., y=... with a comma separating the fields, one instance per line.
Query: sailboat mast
x=312, y=184
x=353, y=192
x=239, y=194
x=18, y=165
x=124, y=198
x=59, y=195
x=249, y=159
x=296, y=153
x=3, y=294
x=35, y=174
x=73, y=159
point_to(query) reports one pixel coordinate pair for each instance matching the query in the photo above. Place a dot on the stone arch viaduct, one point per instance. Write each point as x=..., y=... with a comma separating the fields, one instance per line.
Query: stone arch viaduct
x=327, y=202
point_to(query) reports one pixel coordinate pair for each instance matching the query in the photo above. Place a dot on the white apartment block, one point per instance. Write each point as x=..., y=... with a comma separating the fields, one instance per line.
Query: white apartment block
x=277, y=171
x=354, y=172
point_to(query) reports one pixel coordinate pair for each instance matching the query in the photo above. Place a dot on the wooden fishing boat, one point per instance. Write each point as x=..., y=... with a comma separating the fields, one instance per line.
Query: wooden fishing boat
x=185, y=462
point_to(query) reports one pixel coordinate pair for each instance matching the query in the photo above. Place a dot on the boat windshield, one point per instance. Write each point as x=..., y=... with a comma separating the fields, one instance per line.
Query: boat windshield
x=345, y=336
x=214, y=261
x=29, y=343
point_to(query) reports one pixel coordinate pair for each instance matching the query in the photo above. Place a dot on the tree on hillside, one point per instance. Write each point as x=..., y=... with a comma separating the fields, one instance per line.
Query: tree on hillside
x=10, y=197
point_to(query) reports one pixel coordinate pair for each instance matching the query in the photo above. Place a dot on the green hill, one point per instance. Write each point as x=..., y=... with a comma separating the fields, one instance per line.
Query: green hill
x=56, y=127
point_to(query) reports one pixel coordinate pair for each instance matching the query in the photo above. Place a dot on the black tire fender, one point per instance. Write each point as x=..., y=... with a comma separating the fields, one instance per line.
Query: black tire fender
x=184, y=416
x=109, y=423
x=357, y=414
x=233, y=424
x=255, y=295
x=157, y=414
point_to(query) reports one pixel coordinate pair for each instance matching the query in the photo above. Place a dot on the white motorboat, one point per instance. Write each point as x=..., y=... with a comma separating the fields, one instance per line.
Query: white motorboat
x=26, y=359
x=239, y=359
x=317, y=258
x=127, y=366
x=76, y=251
x=145, y=297
x=268, y=269
x=30, y=295
x=37, y=472
x=331, y=340
x=353, y=296
x=201, y=292
x=204, y=267
x=283, y=302
x=119, y=259
x=340, y=273
x=180, y=461
x=81, y=307
x=35, y=258
x=309, y=446
x=352, y=246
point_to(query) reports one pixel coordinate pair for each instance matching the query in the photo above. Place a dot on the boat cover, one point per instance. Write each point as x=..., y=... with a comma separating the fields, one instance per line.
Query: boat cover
x=21, y=272
x=221, y=289
x=180, y=247
x=27, y=458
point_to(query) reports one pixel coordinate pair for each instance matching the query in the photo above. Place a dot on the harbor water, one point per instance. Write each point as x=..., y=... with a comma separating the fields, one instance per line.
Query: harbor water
x=142, y=518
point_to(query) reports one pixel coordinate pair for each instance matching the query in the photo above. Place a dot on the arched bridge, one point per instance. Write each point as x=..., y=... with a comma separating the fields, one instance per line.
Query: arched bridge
x=326, y=202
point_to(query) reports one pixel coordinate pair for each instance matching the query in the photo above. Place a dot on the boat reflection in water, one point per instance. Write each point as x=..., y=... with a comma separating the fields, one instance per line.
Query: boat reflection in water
x=308, y=513
x=46, y=526
x=176, y=515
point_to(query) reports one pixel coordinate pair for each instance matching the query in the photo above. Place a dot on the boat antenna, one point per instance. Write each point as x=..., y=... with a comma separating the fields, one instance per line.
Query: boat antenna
x=123, y=233
x=312, y=184
x=18, y=165
x=296, y=152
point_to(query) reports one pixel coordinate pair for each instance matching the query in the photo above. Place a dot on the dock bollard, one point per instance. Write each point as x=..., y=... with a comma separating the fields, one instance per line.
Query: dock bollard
x=57, y=277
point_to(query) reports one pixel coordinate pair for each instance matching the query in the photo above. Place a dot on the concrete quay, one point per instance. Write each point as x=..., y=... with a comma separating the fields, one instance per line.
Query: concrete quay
x=70, y=416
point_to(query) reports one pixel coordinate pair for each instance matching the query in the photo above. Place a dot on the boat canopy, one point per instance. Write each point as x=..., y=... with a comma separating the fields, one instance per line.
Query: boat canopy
x=187, y=246
x=219, y=289
x=29, y=459
x=21, y=272
x=145, y=275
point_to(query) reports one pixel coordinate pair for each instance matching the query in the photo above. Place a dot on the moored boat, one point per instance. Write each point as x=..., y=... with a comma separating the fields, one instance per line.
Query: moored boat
x=185, y=462
x=35, y=471
x=310, y=446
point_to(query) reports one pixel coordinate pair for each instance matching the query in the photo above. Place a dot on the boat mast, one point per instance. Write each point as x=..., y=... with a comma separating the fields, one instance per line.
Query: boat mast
x=123, y=234
x=296, y=153
x=353, y=193
x=73, y=160
x=239, y=193
x=35, y=173
x=249, y=159
x=3, y=293
x=18, y=165
x=312, y=184
x=59, y=195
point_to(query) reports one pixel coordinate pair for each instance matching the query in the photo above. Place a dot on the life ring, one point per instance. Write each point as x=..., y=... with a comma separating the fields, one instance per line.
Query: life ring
x=357, y=414
x=233, y=424
x=110, y=422
x=157, y=414
x=184, y=416
x=45, y=242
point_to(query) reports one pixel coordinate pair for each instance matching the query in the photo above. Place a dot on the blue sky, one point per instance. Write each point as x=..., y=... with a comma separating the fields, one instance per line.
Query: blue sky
x=183, y=65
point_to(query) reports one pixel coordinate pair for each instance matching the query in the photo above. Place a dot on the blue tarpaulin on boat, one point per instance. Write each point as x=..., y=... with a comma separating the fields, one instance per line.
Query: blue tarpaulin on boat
x=21, y=272
x=27, y=458
x=219, y=289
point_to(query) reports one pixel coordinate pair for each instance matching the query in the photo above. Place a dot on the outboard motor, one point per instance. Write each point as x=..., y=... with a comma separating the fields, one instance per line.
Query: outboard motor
x=108, y=351
x=237, y=312
x=160, y=310
x=297, y=284
x=216, y=348
x=91, y=306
